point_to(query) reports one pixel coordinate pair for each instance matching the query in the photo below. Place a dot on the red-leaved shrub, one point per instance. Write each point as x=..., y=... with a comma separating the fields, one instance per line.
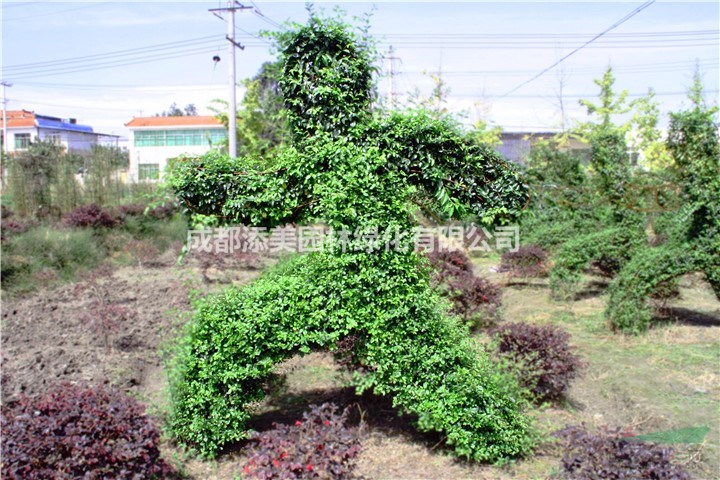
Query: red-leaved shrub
x=475, y=299
x=90, y=216
x=447, y=264
x=527, y=261
x=608, y=454
x=546, y=362
x=322, y=445
x=79, y=432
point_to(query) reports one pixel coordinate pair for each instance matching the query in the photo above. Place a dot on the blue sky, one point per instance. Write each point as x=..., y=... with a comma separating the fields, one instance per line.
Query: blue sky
x=105, y=62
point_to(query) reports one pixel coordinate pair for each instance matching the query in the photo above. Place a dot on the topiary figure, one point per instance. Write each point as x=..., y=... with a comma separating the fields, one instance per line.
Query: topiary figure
x=693, y=242
x=358, y=174
x=614, y=241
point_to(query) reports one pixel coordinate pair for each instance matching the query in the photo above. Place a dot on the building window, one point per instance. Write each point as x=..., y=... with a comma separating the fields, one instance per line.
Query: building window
x=53, y=138
x=179, y=138
x=22, y=141
x=148, y=171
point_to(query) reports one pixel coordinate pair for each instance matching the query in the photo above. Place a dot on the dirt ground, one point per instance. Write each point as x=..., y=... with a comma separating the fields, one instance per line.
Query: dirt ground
x=666, y=379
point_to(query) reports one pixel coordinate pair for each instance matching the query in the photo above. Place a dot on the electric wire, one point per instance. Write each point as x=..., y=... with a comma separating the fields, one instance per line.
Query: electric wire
x=613, y=26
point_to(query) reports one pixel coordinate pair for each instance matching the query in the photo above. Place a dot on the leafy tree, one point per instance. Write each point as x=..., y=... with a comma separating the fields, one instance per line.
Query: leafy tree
x=174, y=111
x=32, y=175
x=360, y=174
x=645, y=136
x=261, y=125
x=610, y=104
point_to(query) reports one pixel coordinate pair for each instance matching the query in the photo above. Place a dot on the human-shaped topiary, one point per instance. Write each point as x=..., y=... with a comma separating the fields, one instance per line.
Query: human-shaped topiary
x=694, y=236
x=614, y=239
x=360, y=175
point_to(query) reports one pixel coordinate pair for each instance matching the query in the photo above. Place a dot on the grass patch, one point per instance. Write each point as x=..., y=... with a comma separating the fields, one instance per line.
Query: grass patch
x=47, y=255
x=41, y=255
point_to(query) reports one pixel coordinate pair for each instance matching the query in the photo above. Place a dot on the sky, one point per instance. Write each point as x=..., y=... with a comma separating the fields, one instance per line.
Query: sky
x=510, y=63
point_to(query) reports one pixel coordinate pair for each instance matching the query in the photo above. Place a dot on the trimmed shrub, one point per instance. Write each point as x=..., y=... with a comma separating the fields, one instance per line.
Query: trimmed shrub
x=80, y=432
x=448, y=264
x=321, y=445
x=475, y=299
x=527, y=261
x=543, y=355
x=163, y=212
x=6, y=212
x=608, y=454
x=90, y=216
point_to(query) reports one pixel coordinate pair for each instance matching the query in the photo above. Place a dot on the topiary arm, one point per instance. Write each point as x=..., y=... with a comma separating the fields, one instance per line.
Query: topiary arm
x=456, y=176
x=239, y=190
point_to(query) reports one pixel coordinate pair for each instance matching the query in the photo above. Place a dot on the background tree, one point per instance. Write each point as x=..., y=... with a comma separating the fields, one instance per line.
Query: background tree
x=174, y=111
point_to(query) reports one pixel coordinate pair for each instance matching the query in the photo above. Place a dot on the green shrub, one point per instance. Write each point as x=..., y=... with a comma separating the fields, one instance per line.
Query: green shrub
x=424, y=360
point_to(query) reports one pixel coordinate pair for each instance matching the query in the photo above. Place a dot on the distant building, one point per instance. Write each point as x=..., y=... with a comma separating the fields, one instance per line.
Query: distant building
x=516, y=146
x=24, y=127
x=155, y=140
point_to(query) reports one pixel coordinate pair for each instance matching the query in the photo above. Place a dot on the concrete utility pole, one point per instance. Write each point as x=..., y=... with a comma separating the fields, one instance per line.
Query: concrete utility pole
x=4, y=116
x=232, y=7
x=391, y=79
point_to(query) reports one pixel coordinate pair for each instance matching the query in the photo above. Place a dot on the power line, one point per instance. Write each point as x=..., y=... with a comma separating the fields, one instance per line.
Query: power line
x=115, y=64
x=58, y=11
x=116, y=53
x=613, y=26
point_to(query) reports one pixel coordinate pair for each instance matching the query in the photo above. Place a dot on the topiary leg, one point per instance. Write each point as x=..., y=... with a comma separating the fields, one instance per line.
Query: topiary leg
x=577, y=254
x=414, y=352
x=627, y=309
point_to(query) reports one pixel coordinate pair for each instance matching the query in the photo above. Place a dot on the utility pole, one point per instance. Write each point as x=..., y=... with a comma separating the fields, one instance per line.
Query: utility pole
x=391, y=79
x=232, y=7
x=4, y=116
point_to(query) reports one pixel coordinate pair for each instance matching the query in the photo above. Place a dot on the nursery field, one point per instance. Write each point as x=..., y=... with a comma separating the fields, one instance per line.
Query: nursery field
x=663, y=380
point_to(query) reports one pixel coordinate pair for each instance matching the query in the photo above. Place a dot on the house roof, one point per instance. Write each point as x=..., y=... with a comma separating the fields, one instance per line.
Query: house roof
x=182, y=121
x=19, y=118
x=25, y=119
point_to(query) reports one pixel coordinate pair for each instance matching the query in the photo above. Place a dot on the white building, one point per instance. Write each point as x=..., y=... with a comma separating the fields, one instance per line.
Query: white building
x=155, y=140
x=24, y=127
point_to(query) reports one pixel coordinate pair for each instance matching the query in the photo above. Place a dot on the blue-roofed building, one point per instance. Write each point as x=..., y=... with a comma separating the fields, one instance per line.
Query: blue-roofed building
x=24, y=127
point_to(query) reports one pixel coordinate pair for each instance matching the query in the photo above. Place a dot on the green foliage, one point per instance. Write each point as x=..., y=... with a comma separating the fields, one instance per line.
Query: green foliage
x=693, y=235
x=32, y=174
x=62, y=252
x=326, y=78
x=361, y=175
x=261, y=124
x=611, y=243
x=420, y=357
x=646, y=137
x=610, y=104
x=43, y=180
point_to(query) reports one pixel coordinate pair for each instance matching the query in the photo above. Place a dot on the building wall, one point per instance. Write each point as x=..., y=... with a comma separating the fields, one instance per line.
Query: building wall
x=147, y=158
x=77, y=141
x=32, y=131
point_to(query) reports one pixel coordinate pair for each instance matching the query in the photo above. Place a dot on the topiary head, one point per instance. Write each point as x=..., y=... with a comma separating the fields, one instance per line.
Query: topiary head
x=326, y=78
